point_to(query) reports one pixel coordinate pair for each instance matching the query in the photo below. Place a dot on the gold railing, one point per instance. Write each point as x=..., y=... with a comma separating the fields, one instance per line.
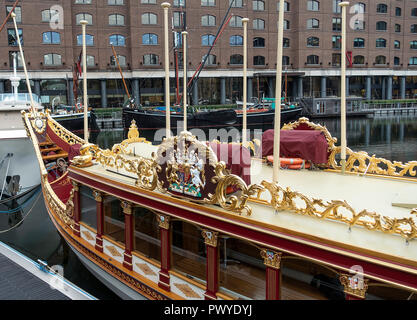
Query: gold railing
x=63, y=133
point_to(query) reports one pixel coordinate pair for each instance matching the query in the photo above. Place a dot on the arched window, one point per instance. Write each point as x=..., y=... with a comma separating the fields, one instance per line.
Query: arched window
x=52, y=59
x=150, y=39
x=313, y=5
x=211, y=59
x=413, y=61
x=117, y=40
x=236, y=59
x=258, y=5
x=116, y=20
x=359, y=8
x=121, y=59
x=381, y=60
x=397, y=44
x=398, y=12
x=396, y=61
x=84, y=16
x=258, y=24
x=381, y=26
x=359, y=43
x=91, y=61
x=381, y=43
x=207, y=39
x=286, y=42
x=313, y=42
x=286, y=60
x=413, y=28
x=89, y=40
x=286, y=6
x=208, y=20
x=236, y=40
x=313, y=59
x=149, y=18
x=150, y=59
x=381, y=8
x=313, y=24
x=48, y=14
x=413, y=44
x=258, y=60
x=414, y=12
x=258, y=42
x=236, y=22
x=236, y=3
x=286, y=24
x=51, y=37
x=358, y=60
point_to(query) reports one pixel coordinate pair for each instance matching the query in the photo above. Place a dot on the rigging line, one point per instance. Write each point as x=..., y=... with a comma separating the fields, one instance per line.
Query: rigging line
x=23, y=205
x=5, y=176
x=23, y=219
x=20, y=195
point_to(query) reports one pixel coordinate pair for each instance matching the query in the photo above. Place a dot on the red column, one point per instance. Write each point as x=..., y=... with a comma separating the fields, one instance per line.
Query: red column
x=127, y=210
x=272, y=261
x=77, y=209
x=212, y=264
x=164, y=228
x=355, y=286
x=98, y=196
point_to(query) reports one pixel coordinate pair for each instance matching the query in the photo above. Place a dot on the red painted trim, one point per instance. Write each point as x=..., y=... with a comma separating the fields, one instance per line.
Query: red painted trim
x=77, y=213
x=212, y=273
x=127, y=262
x=271, y=239
x=350, y=297
x=164, y=277
x=273, y=284
x=100, y=226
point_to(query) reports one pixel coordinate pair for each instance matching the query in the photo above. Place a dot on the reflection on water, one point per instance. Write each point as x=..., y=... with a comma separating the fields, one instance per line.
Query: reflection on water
x=393, y=138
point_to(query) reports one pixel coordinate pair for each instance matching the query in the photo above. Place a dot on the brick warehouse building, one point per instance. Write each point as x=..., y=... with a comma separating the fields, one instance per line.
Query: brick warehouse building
x=382, y=45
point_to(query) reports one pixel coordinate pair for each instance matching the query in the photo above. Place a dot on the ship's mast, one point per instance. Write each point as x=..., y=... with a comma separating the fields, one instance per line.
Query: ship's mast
x=84, y=24
x=166, y=6
x=245, y=78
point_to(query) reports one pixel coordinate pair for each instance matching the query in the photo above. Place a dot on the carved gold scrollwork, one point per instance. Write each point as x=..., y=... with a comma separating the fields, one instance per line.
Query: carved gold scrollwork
x=63, y=133
x=271, y=258
x=163, y=221
x=285, y=199
x=354, y=285
x=233, y=202
x=210, y=237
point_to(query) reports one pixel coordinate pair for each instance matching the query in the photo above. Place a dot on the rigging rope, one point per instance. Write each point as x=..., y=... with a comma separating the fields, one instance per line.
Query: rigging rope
x=20, y=195
x=24, y=204
x=9, y=155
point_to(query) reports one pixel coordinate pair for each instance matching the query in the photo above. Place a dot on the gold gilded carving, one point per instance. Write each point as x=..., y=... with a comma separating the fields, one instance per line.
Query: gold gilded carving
x=210, y=237
x=63, y=133
x=98, y=196
x=127, y=207
x=354, y=285
x=113, y=251
x=88, y=235
x=163, y=221
x=233, y=202
x=285, y=199
x=132, y=137
x=85, y=158
x=271, y=258
x=146, y=269
x=39, y=124
x=75, y=185
x=187, y=291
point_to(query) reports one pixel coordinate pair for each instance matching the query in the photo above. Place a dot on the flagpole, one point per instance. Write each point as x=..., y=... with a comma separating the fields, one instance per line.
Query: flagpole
x=343, y=141
x=277, y=119
x=245, y=79
x=84, y=24
x=184, y=45
x=13, y=15
x=166, y=6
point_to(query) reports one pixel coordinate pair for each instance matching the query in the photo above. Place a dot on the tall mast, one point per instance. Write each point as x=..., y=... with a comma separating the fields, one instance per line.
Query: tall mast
x=84, y=24
x=166, y=6
x=245, y=78
x=120, y=70
x=277, y=120
x=185, y=97
x=343, y=88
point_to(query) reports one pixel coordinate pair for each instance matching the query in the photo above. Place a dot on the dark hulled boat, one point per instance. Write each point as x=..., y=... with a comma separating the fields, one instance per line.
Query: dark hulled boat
x=156, y=119
x=74, y=122
x=260, y=116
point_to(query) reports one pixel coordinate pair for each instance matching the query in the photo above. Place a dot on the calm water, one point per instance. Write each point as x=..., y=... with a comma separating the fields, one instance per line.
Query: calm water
x=393, y=138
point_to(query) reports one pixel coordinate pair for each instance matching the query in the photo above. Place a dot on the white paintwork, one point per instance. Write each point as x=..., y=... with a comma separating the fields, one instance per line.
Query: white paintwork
x=106, y=245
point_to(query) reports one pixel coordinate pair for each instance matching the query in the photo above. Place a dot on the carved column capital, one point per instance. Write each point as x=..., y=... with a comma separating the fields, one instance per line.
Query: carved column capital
x=163, y=221
x=271, y=258
x=210, y=237
x=75, y=185
x=354, y=285
x=98, y=196
x=127, y=207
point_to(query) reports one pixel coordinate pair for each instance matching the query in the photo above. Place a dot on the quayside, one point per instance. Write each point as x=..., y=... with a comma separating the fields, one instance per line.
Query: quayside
x=173, y=221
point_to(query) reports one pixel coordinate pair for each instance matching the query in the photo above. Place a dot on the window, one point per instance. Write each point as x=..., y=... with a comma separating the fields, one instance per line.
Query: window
x=179, y=19
x=179, y=3
x=121, y=59
x=82, y=1
x=286, y=42
x=336, y=59
x=51, y=37
x=17, y=11
x=236, y=59
x=91, y=61
x=150, y=39
x=236, y=3
x=336, y=42
x=358, y=60
x=398, y=12
x=208, y=20
x=286, y=6
x=397, y=44
x=12, y=38
x=359, y=24
x=336, y=24
x=313, y=42
x=413, y=44
x=258, y=42
x=413, y=28
x=396, y=61
x=258, y=60
x=381, y=60
x=359, y=8
x=89, y=40
x=19, y=63
x=207, y=39
x=313, y=59
x=336, y=7
x=286, y=24
x=48, y=14
x=381, y=8
x=208, y=3
x=149, y=18
x=117, y=40
x=359, y=43
x=116, y=20
x=52, y=59
x=381, y=43
x=211, y=59
x=314, y=23
x=84, y=16
x=146, y=234
x=150, y=59
x=258, y=24
x=397, y=28
x=313, y=5
x=115, y=2
x=236, y=21
x=413, y=61
x=414, y=12
x=148, y=1
x=381, y=26
x=114, y=219
x=258, y=5
x=236, y=40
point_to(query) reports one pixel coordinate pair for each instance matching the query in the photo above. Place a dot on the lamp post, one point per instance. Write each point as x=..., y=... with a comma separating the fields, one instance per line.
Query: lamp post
x=343, y=141
x=84, y=24
x=166, y=6
x=185, y=95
